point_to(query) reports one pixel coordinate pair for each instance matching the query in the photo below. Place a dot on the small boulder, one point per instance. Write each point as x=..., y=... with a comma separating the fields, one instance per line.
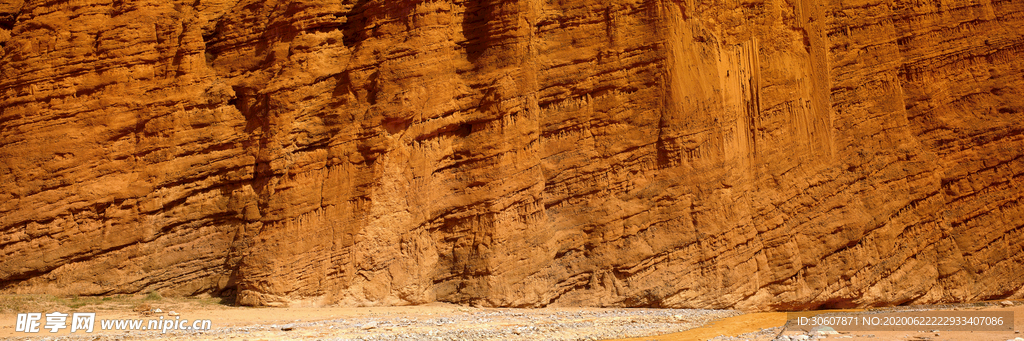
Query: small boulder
x=143, y=309
x=824, y=331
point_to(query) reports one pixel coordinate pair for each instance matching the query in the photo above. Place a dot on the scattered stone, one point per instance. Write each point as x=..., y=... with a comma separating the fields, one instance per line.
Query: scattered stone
x=824, y=331
x=157, y=310
x=288, y=327
x=143, y=309
x=369, y=325
x=172, y=313
x=800, y=337
x=1006, y=303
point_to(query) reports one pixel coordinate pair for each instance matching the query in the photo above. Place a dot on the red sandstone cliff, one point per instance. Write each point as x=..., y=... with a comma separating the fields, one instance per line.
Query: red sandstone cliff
x=752, y=154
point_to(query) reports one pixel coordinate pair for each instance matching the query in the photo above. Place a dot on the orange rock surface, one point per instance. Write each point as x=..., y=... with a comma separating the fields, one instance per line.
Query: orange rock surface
x=775, y=154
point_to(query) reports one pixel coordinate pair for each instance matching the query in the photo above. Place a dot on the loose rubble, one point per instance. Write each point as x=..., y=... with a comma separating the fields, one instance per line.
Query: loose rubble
x=464, y=324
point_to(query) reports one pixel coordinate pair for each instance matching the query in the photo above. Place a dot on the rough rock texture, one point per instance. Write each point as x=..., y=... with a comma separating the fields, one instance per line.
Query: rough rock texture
x=775, y=154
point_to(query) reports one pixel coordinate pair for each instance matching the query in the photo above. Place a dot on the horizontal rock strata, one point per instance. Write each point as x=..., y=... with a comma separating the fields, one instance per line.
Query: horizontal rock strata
x=754, y=154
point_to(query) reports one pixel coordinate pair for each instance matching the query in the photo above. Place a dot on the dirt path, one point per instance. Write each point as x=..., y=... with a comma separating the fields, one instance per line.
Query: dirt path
x=769, y=326
x=730, y=326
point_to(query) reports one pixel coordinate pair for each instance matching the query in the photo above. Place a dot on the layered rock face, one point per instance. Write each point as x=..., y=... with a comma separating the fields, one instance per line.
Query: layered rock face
x=762, y=154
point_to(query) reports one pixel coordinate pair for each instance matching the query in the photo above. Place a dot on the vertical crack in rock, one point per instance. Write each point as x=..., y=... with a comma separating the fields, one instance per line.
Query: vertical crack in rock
x=9, y=13
x=355, y=24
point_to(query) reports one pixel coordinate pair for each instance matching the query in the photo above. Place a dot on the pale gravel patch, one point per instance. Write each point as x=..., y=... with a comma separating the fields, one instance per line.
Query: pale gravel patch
x=472, y=324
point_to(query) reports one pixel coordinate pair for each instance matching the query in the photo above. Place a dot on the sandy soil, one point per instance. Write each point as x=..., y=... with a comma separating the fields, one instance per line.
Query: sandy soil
x=440, y=321
x=432, y=321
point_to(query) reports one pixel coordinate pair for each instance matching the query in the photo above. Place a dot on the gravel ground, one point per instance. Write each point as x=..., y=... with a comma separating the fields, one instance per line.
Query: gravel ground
x=465, y=324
